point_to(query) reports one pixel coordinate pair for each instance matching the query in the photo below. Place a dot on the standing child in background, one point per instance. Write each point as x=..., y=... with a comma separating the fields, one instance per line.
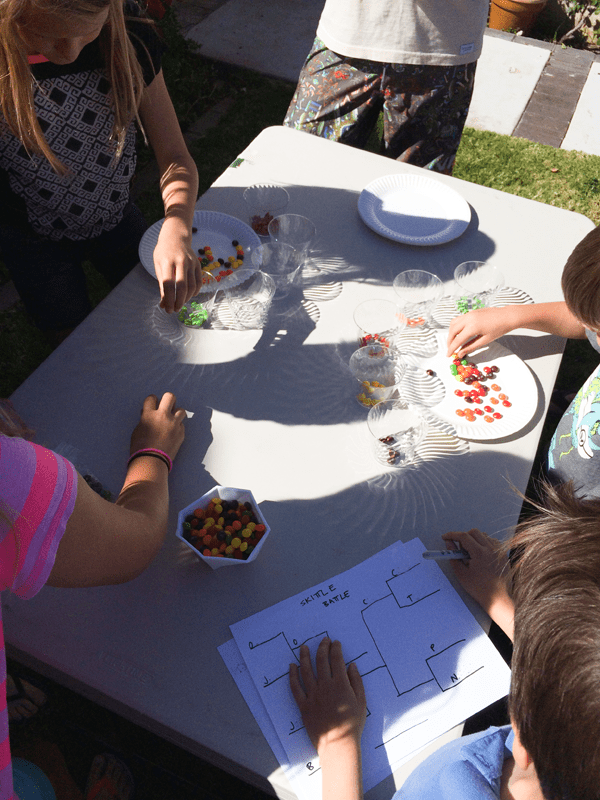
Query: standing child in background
x=574, y=453
x=75, y=75
x=550, y=750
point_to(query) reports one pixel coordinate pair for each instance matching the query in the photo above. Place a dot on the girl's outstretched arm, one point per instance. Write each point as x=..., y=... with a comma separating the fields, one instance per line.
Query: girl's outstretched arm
x=334, y=709
x=177, y=266
x=106, y=543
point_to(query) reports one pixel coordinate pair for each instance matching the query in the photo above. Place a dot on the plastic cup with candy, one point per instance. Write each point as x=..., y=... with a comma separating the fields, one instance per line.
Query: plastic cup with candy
x=250, y=299
x=379, y=370
x=279, y=260
x=224, y=527
x=478, y=283
x=397, y=429
x=418, y=294
x=378, y=322
x=297, y=231
x=196, y=312
x=264, y=202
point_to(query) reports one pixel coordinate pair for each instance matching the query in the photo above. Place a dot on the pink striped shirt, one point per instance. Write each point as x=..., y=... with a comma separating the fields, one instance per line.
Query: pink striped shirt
x=37, y=490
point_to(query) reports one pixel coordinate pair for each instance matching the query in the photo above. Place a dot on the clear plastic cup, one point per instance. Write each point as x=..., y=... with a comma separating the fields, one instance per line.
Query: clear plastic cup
x=278, y=260
x=250, y=299
x=379, y=370
x=479, y=283
x=378, y=322
x=295, y=230
x=264, y=202
x=418, y=294
x=397, y=429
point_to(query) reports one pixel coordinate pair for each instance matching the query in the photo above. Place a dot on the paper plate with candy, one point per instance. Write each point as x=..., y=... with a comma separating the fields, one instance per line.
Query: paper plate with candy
x=222, y=243
x=488, y=395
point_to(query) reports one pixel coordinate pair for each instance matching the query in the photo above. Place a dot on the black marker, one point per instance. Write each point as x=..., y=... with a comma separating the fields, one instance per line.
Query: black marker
x=443, y=555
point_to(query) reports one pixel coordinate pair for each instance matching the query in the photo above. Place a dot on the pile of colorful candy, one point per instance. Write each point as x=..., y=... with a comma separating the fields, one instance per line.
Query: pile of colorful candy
x=209, y=263
x=462, y=304
x=374, y=338
x=224, y=529
x=260, y=224
x=466, y=372
x=194, y=318
x=369, y=388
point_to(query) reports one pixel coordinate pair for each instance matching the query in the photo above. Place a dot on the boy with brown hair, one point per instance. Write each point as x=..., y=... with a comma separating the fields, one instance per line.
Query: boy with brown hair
x=552, y=748
x=574, y=451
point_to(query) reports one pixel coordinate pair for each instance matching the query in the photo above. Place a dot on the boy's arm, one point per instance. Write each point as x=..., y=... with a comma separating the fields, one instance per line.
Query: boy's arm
x=481, y=576
x=478, y=328
x=177, y=266
x=333, y=708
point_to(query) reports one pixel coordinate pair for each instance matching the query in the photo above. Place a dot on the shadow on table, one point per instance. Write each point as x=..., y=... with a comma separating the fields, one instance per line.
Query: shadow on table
x=341, y=237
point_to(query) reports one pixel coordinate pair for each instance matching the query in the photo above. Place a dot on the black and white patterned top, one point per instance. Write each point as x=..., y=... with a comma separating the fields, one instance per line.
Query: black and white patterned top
x=73, y=105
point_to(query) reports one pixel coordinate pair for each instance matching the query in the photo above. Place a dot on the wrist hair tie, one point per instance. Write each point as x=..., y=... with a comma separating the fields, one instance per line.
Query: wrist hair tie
x=151, y=451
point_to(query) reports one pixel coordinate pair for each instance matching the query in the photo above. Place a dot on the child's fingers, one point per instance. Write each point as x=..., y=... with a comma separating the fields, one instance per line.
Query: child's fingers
x=150, y=403
x=357, y=685
x=336, y=659
x=322, y=661
x=295, y=685
x=167, y=402
x=306, y=670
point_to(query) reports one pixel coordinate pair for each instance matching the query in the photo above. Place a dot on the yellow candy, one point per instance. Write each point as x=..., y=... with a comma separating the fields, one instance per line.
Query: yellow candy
x=244, y=546
x=246, y=533
x=229, y=550
x=214, y=551
x=208, y=522
x=236, y=542
x=251, y=526
x=218, y=508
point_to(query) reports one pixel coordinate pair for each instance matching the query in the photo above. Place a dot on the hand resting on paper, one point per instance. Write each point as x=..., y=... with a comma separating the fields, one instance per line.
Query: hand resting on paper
x=334, y=710
x=482, y=575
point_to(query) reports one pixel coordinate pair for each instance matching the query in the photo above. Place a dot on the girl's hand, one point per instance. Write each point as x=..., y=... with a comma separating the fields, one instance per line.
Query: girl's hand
x=332, y=703
x=177, y=266
x=161, y=425
x=482, y=575
x=478, y=328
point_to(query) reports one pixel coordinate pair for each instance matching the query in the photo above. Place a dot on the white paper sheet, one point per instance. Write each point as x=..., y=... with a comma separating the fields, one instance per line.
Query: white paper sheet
x=425, y=662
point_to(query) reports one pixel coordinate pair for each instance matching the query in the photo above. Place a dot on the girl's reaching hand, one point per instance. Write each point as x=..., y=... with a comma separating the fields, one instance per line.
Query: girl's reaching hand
x=332, y=702
x=161, y=425
x=177, y=266
x=482, y=576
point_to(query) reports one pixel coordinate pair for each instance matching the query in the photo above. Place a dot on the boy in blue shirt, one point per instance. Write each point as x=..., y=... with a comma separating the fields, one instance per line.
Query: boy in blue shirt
x=551, y=751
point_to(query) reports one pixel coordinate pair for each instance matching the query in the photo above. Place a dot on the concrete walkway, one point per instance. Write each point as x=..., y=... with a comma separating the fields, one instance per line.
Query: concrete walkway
x=524, y=87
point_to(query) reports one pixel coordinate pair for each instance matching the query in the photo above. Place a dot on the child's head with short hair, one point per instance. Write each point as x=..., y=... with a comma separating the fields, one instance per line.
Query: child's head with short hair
x=581, y=281
x=555, y=691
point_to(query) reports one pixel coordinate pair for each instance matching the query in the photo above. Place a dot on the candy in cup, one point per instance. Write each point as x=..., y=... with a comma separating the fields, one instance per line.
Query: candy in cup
x=278, y=260
x=479, y=283
x=418, y=292
x=397, y=429
x=264, y=202
x=379, y=370
x=378, y=322
x=196, y=312
x=250, y=299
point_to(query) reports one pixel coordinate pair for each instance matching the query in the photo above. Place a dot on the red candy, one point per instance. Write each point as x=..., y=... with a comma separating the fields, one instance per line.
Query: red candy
x=466, y=372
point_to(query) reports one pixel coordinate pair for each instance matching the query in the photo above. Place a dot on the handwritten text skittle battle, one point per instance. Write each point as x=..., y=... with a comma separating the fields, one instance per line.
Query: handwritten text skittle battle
x=326, y=596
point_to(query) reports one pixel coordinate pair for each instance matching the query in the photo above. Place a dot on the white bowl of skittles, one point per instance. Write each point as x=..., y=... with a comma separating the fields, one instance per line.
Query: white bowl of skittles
x=224, y=527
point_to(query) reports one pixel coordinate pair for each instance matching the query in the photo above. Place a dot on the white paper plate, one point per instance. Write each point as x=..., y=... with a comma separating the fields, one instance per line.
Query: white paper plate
x=213, y=229
x=413, y=209
x=515, y=379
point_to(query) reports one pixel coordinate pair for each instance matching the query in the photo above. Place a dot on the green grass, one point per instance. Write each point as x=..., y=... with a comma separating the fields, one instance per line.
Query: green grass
x=525, y=168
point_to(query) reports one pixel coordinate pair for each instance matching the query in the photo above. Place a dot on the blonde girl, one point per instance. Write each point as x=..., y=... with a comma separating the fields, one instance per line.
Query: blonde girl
x=75, y=75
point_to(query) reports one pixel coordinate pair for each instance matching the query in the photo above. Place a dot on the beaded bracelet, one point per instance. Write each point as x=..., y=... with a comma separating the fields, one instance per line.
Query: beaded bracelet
x=151, y=451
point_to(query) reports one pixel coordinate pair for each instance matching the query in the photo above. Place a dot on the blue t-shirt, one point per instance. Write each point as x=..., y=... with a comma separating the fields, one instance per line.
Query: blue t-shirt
x=464, y=769
x=572, y=455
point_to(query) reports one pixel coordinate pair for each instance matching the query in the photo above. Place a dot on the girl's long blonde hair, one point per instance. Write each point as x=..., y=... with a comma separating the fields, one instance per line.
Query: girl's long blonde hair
x=16, y=81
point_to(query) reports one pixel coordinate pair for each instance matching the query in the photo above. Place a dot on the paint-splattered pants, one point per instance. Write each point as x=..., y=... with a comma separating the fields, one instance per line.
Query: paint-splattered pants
x=424, y=106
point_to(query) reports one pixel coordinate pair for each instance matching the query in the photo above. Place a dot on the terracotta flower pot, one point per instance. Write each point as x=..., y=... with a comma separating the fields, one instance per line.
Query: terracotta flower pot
x=515, y=15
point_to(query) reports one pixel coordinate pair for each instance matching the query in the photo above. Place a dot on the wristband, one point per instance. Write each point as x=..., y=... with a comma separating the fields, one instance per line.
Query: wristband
x=151, y=451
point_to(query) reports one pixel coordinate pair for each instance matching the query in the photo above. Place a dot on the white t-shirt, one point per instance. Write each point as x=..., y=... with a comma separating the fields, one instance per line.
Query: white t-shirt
x=442, y=32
